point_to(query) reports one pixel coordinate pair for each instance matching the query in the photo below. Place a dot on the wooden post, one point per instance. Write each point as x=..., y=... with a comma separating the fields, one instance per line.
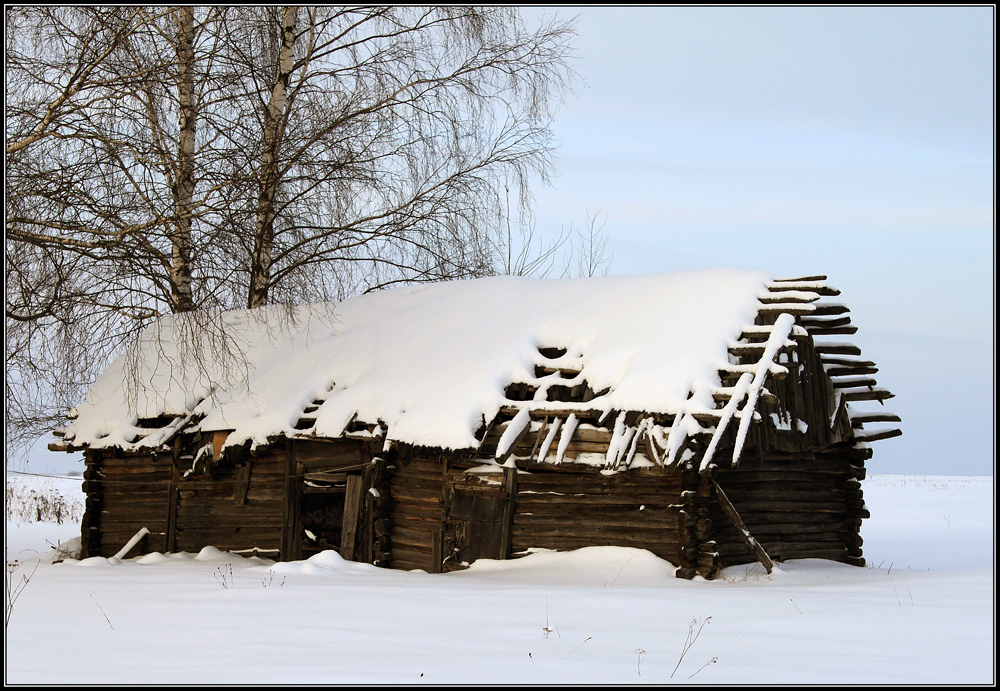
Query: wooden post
x=288, y=506
x=437, y=549
x=90, y=528
x=242, y=484
x=173, y=496
x=509, y=507
x=352, y=511
x=733, y=516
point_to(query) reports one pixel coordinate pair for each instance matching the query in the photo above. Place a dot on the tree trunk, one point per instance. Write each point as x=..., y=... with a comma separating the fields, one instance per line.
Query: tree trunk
x=269, y=179
x=180, y=237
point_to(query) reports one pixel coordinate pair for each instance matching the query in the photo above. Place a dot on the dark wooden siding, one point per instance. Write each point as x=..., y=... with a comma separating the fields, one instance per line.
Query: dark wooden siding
x=417, y=513
x=579, y=507
x=797, y=507
x=125, y=493
x=208, y=511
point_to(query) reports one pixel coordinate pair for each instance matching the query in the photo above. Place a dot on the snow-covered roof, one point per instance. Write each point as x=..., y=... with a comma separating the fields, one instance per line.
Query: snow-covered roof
x=429, y=364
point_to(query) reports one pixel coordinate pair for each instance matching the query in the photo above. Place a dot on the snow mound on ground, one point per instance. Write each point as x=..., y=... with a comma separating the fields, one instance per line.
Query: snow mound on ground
x=617, y=567
x=214, y=554
x=324, y=563
x=98, y=561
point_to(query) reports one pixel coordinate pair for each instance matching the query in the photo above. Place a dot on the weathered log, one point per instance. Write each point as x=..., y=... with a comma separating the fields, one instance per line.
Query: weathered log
x=864, y=418
x=734, y=517
x=870, y=395
x=877, y=436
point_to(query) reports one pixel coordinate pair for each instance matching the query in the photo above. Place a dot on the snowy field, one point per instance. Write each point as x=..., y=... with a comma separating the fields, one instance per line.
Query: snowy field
x=923, y=612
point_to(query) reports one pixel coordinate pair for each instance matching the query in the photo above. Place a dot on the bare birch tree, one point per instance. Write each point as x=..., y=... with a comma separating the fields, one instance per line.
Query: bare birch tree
x=164, y=160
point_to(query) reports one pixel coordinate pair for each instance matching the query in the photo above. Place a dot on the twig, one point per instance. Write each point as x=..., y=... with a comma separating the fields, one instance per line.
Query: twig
x=622, y=569
x=578, y=647
x=710, y=662
x=102, y=610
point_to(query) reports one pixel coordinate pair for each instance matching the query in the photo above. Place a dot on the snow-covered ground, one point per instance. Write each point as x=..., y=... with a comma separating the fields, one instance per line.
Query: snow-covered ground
x=923, y=612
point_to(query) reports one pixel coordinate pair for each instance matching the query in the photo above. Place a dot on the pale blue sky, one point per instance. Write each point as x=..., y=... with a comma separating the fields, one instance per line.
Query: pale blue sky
x=852, y=142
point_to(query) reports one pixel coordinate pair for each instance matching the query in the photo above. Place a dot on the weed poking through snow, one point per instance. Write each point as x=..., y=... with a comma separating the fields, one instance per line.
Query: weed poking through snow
x=102, y=611
x=224, y=576
x=12, y=590
x=691, y=638
x=711, y=661
x=578, y=647
x=269, y=581
x=548, y=630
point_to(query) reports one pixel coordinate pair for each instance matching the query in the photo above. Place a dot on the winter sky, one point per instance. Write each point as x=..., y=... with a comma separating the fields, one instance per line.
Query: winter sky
x=855, y=142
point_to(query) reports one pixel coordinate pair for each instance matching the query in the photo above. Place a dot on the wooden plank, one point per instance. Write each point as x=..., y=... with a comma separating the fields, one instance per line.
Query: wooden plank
x=850, y=371
x=635, y=519
x=872, y=395
x=865, y=418
x=837, y=349
x=529, y=502
x=287, y=508
x=437, y=549
x=734, y=517
x=833, y=330
x=877, y=436
x=521, y=436
x=509, y=509
x=352, y=512
x=242, y=484
x=798, y=279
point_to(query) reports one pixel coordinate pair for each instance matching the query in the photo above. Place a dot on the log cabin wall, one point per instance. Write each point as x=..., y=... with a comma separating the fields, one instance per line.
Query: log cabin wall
x=798, y=506
x=417, y=511
x=797, y=486
x=234, y=507
x=572, y=507
x=125, y=492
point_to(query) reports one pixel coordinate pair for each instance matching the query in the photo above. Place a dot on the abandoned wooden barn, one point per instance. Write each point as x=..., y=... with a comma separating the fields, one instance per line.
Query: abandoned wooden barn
x=709, y=417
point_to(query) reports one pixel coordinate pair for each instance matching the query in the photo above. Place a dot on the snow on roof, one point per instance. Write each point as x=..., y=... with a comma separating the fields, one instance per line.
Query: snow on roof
x=429, y=363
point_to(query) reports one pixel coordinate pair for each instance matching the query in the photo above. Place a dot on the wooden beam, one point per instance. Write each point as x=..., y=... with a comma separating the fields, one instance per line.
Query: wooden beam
x=756, y=349
x=806, y=296
x=876, y=436
x=809, y=322
x=850, y=371
x=837, y=349
x=833, y=330
x=800, y=279
x=242, y=484
x=853, y=381
x=502, y=458
x=288, y=505
x=817, y=287
x=735, y=519
x=874, y=417
x=352, y=512
x=847, y=362
x=509, y=511
x=869, y=395
x=829, y=309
